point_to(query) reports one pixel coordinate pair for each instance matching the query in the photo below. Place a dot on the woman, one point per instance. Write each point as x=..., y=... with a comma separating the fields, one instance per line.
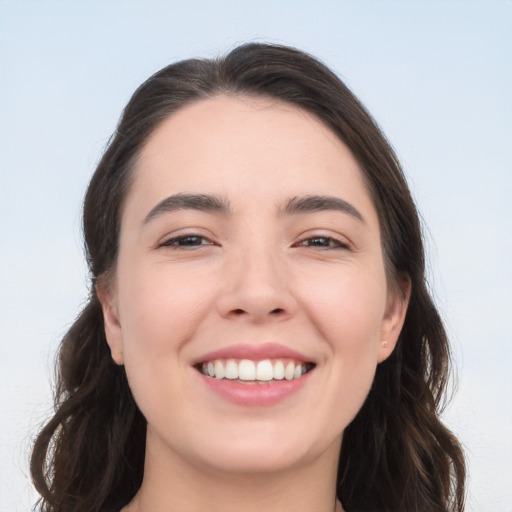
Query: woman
x=259, y=334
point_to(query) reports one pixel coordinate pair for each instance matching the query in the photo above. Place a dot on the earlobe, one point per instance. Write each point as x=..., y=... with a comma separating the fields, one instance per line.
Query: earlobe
x=396, y=309
x=113, y=333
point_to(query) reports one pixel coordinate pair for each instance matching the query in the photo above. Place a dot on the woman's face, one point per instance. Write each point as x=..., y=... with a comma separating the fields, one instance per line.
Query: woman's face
x=249, y=250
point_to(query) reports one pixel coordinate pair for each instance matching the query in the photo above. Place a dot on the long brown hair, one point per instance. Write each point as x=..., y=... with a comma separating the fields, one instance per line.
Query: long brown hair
x=396, y=454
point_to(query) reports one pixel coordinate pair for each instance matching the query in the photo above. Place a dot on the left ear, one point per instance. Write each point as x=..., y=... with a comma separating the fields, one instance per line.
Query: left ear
x=394, y=317
x=113, y=333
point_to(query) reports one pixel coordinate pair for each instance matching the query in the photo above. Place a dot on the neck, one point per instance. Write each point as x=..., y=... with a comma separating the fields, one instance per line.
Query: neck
x=173, y=484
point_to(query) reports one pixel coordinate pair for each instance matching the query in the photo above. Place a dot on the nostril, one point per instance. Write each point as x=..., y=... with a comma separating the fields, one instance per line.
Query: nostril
x=277, y=311
x=238, y=311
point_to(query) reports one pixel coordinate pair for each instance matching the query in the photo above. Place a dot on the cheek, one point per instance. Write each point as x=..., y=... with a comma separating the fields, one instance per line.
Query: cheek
x=159, y=314
x=158, y=308
x=160, y=311
x=347, y=307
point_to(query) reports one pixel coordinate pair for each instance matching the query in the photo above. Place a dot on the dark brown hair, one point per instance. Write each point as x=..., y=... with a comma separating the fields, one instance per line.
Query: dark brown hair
x=396, y=454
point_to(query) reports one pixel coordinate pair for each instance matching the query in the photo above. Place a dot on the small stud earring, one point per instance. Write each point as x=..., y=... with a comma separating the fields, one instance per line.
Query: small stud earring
x=384, y=343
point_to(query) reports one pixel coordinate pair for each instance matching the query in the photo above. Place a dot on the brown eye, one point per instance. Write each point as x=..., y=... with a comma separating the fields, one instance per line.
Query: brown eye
x=322, y=242
x=186, y=241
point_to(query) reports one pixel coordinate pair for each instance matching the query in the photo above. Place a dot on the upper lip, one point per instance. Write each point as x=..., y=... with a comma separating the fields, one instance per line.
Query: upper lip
x=255, y=352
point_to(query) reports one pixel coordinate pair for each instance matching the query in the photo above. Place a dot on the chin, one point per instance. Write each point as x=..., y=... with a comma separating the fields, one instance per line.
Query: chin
x=265, y=452
x=253, y=460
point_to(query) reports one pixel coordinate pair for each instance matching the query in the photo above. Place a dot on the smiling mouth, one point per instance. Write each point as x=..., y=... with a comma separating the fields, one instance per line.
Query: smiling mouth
x=247, y=371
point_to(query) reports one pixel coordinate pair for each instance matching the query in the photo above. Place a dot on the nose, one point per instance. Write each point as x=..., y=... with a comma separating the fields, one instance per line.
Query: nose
x=257, y=287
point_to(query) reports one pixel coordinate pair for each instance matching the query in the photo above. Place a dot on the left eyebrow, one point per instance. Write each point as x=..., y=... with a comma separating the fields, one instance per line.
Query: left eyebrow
x=201, y=202
x=315, y=203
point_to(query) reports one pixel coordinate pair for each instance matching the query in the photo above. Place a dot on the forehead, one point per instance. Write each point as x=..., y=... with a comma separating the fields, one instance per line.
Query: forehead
x=246, y=148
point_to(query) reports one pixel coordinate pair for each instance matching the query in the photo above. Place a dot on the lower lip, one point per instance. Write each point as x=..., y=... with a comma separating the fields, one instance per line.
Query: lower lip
x=254, y=395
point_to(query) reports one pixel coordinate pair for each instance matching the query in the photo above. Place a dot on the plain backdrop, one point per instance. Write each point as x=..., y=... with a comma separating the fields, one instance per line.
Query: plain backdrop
x=437, y=77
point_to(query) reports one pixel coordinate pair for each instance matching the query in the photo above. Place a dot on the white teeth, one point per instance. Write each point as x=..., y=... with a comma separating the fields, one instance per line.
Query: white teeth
x=231, y=369
x=248, y=370
x=279, y=370
x=219, y=370
x=264, y=370
x=289, y=371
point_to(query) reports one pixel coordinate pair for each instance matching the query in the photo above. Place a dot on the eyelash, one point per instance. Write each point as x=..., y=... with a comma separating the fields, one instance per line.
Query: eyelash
x=176, y=242
x=322, y=242
x=332, y=243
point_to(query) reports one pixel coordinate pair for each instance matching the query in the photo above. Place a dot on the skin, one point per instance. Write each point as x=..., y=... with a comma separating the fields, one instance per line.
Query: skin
x=312, y=281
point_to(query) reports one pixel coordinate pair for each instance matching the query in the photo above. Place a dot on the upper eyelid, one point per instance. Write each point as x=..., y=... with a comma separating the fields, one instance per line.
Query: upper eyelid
x=340, y=242
x=324, y=233
x=176, y=237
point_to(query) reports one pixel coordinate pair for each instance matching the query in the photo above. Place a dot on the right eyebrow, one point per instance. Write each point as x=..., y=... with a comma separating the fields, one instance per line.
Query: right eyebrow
x=201, y=202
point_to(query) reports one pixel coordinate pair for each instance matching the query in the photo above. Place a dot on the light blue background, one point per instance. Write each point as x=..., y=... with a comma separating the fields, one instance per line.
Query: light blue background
x=436, y=75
